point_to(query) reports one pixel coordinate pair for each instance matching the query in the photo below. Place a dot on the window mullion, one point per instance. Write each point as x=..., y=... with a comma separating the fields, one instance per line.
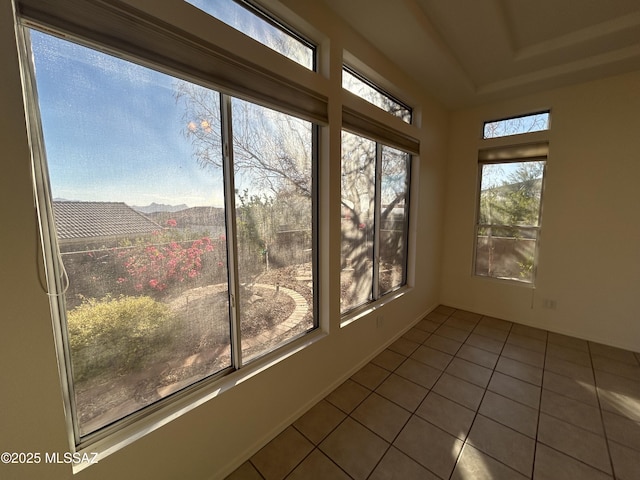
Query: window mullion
x=376, y=223
x=407, y=205
x=230, y=212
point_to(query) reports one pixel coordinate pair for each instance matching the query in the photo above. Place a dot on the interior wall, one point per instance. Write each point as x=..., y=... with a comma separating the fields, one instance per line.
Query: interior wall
x=213, y=439
x=589, y=252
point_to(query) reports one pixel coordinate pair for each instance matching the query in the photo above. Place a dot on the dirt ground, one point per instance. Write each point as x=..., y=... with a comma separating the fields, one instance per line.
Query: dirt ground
x=200, y=346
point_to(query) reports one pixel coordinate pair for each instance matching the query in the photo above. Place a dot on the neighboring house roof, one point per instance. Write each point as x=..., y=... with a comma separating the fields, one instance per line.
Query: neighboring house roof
x=82, y=220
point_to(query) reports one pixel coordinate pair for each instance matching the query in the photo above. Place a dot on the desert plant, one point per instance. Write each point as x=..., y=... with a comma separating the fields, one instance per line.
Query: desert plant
x=115, y=336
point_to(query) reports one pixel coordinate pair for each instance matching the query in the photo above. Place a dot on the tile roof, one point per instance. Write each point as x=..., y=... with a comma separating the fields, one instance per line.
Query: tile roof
x=75, y=220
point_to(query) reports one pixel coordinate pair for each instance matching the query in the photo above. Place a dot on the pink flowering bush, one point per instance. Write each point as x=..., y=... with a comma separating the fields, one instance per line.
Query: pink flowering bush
x=164, y=263
x=155, y=267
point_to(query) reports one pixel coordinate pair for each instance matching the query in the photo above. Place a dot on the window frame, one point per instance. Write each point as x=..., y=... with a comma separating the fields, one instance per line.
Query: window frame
x=129, y=428
x=510, y=154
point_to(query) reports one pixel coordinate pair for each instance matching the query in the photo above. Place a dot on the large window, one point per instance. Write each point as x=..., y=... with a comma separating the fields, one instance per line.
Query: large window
x=181, y=226
x=509, y=211
x=375, y=201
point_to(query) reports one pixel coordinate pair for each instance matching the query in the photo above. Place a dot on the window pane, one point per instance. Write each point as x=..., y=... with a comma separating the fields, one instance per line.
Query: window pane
x=510, y=193
x=273, y=166
x=371, y=94
x=506, y=253
x=393, y=218
x=140, y=224
x=358, y=207
x=517, y=125
x=509, y=219
x=258, y=27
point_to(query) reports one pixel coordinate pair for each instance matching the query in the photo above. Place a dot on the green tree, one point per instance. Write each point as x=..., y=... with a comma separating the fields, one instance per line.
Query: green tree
x=523, y=193
x=511, y=199
x=509, y=209
x=256, y=227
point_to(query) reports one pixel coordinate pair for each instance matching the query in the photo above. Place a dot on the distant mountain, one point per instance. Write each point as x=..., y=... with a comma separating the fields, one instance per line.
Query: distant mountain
x=157, y=207
x=191, y=217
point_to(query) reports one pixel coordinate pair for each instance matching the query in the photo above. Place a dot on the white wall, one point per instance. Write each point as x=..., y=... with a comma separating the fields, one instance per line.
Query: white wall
x=211, y=440
x=589, y=257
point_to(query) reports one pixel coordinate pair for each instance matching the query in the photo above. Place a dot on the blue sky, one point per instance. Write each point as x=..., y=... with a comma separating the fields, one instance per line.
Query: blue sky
x=114, y=131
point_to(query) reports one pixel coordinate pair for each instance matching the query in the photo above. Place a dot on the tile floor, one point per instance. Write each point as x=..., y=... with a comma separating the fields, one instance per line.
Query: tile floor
x=462, y=396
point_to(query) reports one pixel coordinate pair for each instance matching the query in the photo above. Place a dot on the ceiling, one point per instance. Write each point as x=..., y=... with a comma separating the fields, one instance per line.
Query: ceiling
x=467, y=52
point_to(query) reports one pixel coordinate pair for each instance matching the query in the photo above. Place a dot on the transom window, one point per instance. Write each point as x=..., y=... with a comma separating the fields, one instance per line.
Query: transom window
x=534, y=122
x=181, y=225
x=363, y=88
x=259, y=25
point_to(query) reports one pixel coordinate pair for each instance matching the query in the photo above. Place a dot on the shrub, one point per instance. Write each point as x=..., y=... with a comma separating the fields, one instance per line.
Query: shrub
x=115, y=336
x=155, y=267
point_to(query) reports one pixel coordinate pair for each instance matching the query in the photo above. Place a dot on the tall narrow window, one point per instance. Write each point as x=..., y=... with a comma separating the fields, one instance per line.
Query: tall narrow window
x=375, y=187
x=184, y=222
x=509, y=211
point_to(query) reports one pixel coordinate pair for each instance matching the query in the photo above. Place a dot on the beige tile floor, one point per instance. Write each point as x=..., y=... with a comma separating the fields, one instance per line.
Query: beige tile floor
x=466, y=397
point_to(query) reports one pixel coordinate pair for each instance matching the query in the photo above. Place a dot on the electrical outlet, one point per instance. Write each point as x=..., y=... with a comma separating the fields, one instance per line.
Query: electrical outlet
x=550, y=303
x=379, y=321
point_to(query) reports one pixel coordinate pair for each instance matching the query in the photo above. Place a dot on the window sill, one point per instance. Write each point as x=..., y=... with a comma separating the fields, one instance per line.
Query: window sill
x=504, y=281
x=371, y=307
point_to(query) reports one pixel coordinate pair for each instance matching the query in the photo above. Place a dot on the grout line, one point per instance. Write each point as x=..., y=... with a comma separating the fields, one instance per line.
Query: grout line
x=604, y=427
x=477, y=412
x=413, y=414
x=535, y=445
x=545, y=353
x=257, y=469
x=540, y=412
